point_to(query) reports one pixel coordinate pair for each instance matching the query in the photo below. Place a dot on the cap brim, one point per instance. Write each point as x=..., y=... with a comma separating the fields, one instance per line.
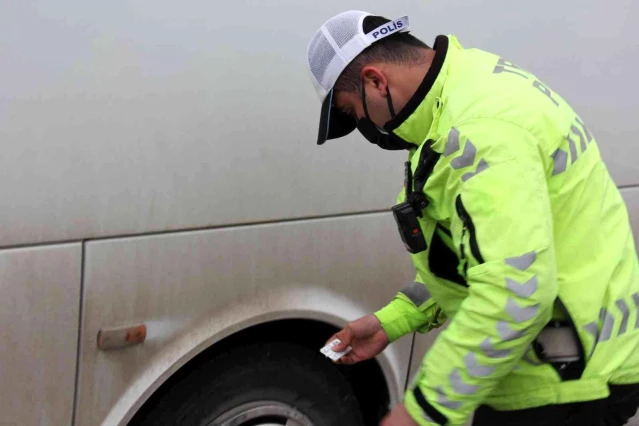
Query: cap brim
x=333, y=122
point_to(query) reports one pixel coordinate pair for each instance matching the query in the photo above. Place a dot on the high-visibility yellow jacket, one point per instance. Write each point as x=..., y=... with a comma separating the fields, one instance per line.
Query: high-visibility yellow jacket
x=525, y=229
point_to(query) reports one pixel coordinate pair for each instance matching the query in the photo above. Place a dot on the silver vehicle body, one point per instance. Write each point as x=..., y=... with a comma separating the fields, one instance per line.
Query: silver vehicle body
x=159, y=167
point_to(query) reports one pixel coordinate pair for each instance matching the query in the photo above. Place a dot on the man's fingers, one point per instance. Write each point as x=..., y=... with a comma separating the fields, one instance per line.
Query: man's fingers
x=345, y=336
x=384, y=421
x=348, y=359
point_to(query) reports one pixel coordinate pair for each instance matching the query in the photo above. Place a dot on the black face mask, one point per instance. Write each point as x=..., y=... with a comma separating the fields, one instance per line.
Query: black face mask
x=382, y=138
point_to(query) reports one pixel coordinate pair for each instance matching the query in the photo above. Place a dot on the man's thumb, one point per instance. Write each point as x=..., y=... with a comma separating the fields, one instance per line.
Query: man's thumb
x=345, y=336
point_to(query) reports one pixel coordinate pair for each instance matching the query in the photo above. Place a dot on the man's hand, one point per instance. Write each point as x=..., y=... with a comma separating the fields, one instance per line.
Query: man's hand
x=365, y=335
x=398, y=417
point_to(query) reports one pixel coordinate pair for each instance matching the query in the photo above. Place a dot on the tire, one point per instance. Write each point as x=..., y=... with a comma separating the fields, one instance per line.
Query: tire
x=261, y=384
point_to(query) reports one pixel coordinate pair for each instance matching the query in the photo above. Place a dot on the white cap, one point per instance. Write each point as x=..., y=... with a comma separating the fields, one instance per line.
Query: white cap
x=340, y=40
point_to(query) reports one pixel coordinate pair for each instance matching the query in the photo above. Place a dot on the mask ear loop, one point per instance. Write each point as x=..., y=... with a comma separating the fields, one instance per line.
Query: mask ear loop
x=388, y=99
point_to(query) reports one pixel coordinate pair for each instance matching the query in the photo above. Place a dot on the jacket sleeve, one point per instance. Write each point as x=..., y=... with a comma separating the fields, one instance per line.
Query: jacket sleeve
x=502, y=221
x=412, y=309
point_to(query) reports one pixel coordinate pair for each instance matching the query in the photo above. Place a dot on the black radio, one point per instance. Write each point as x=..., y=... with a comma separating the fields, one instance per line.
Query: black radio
x=409, y=229
x=406, y=214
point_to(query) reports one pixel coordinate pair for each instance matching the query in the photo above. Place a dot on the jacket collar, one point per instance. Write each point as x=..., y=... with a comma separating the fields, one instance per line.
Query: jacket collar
x=413, y=122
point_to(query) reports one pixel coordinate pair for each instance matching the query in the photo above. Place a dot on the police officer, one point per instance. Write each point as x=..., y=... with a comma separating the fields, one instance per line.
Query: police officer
x=519, y=237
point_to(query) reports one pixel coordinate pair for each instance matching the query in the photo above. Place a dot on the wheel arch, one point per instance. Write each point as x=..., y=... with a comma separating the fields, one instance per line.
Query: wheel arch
x=368, y=380
x=316, y=311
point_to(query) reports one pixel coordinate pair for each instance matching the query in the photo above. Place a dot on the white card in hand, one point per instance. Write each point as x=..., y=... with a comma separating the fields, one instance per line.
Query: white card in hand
x=329, y=353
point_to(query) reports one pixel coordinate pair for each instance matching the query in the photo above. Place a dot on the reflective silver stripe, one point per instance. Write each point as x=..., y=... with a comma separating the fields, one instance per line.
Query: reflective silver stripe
x=444, y=401
x=583, y=126
x=483, y=165
x=473, y=367
x=524, y=290
x=459, y=386
x=623, y=307
x=573, y=149
x=491, y=352
x=520, y=314
x=467, y=158
x=608, y=324
x=522, y=262
x=506, y=333
x=635, y=298
x=452, y=146
x=416, y=292
x=582, y=140
x=560, y=158
x=594, y=330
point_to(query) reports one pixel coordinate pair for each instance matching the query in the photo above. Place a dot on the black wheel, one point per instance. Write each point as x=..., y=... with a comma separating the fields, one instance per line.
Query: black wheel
x=270, y=384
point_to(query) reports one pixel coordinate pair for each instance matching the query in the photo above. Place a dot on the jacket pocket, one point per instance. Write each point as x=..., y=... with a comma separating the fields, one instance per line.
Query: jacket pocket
x=467, y=229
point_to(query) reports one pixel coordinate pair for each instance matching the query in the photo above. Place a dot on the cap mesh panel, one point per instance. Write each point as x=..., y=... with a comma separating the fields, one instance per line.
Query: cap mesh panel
x=320, y=55
x=345, y=29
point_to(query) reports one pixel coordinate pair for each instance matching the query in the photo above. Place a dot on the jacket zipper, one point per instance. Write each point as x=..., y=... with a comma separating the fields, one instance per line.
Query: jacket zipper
x=470, y=227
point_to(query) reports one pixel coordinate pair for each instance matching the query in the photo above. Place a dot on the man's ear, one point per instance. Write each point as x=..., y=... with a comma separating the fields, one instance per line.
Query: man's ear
x=374, y=77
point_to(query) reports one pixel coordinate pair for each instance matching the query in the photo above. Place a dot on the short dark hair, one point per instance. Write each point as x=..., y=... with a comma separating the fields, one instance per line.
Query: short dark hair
x=399, y=48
